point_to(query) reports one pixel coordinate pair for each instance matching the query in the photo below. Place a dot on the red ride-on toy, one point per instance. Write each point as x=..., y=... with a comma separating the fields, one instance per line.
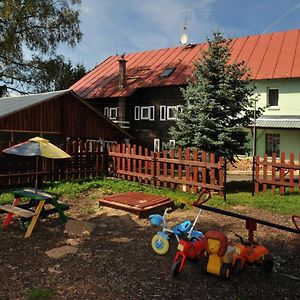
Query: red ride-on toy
x=251, y=253
x=190, y=247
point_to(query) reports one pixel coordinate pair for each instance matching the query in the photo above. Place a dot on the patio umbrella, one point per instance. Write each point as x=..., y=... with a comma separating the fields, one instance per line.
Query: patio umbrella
x=37, y=147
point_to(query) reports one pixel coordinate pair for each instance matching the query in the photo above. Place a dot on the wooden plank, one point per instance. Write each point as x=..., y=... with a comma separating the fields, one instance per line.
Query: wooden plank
x=24, y=213
x=158, y=182
x=212, y=170
x=273, y=172
x=9, y=216
x=146, y=166
x=257, y=166
x=137, y=203
x=195, y=170
x=265, y=174
x=165, y=169
x=128, y=151
x=140, y=161
x=292, y=162
x=281, y=174
x=172, y=168
x=179, y=168
x=187, y=169
x=34, y=219
x=134, y=162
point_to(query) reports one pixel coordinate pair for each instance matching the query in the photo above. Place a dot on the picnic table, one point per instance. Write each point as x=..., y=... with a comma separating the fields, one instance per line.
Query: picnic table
x=34, y=208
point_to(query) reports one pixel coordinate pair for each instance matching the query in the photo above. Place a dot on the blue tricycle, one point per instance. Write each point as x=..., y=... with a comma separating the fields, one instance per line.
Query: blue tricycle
x=160, y=241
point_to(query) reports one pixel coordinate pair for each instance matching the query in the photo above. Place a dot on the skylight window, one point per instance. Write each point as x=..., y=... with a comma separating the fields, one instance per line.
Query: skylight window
x=167, y=72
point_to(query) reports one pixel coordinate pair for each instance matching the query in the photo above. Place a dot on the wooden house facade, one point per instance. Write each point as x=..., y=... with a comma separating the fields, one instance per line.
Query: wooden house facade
x=141, y=91
x=56, y=116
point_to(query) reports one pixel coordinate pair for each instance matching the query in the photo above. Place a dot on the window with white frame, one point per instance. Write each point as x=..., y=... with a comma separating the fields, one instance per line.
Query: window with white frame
x=162, y=112
x=113, y=113
x=156, y=145
x=171, y=112
x=106, y=112
x=152, y=113
x=273, y=144
x=136, y=113
x=172, y=144
x=147, y=113
x=273, y=97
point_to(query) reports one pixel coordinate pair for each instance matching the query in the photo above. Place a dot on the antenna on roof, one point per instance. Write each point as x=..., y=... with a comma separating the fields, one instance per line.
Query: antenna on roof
x=184, y=38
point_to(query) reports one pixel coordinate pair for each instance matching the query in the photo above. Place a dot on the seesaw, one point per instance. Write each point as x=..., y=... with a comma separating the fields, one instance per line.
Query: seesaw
x=251, y=223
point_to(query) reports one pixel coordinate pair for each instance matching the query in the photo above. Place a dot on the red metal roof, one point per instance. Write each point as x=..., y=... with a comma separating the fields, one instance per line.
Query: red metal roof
x=269, y=56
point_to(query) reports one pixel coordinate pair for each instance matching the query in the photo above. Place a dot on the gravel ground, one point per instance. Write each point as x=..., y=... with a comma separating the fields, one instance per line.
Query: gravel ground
x=116, y=260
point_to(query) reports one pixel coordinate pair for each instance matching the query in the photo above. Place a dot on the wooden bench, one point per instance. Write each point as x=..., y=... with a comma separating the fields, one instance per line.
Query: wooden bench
x=24, y=213
x=21, y=212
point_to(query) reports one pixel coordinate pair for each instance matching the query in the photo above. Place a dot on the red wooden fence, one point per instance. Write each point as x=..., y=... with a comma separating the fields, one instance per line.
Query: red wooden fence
x=277, y=173
x=189, y=170
x=87, y=160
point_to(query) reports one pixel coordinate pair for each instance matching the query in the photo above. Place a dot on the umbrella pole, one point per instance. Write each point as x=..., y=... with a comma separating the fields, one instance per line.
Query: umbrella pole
x=36, y=173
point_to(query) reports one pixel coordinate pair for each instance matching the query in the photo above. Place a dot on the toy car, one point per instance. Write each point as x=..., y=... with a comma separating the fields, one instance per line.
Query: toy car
x=219, y=255
x=251, y=254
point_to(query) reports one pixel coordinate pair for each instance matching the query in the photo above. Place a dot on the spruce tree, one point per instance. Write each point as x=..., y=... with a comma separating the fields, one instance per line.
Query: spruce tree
x=219, y=103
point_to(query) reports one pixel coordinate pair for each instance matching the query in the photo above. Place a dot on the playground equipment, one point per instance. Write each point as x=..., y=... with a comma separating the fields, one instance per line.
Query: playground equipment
x=189, y=247
x=251, y=254
x=251, y=223
x=160, y=241
x=219, y=255
x=296, y=221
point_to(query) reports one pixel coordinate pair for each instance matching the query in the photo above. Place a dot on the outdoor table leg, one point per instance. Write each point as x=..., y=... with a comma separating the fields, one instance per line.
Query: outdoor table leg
x=10, y=215
x=34, y=218
x=59, y=209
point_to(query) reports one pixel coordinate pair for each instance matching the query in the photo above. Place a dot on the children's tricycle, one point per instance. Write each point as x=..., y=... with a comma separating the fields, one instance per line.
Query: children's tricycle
x=251, y=254
x=160, y=241
x=219, y=255
x=190, y=247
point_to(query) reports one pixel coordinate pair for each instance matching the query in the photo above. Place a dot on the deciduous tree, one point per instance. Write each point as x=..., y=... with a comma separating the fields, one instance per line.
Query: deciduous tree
x=31, y=31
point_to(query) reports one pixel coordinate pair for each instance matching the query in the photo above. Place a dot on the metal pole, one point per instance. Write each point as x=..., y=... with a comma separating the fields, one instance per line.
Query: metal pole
x=254, y=149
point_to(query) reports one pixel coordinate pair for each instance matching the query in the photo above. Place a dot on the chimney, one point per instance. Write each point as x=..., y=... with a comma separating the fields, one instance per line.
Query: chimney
x=122, y=71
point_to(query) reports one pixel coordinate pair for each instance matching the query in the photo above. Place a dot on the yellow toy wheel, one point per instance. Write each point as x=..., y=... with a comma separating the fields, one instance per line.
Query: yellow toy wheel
x=160, y=245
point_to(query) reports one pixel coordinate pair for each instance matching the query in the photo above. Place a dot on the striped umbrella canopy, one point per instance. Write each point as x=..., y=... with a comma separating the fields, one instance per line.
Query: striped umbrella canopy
x=37, y=147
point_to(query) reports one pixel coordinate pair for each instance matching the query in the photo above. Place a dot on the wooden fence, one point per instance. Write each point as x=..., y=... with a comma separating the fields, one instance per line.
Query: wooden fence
x=277, y=173
x=188, y=170
x=87, y=160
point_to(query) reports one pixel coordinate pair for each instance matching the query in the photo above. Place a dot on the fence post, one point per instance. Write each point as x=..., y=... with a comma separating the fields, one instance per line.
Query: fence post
x=153, y=169
x=105, y=163
x=225, y=179
x=257, y=163
x=292, y=163
x=282, y=176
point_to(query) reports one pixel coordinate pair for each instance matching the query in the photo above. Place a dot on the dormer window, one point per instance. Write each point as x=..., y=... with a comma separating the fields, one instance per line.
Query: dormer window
x=167, y=72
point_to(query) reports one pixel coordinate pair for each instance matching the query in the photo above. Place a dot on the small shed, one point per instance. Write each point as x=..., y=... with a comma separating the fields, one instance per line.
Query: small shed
x=56, y=116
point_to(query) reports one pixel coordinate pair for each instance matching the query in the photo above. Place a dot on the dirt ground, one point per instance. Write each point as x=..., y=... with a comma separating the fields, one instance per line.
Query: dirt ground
x=116, y=260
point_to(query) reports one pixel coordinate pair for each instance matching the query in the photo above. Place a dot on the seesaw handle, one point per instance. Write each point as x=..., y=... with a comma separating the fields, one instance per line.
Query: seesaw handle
x=294, y=217
x=204, y=193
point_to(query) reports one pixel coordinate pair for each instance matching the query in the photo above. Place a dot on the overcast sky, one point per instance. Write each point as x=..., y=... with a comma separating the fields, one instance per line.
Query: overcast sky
x=122, y=26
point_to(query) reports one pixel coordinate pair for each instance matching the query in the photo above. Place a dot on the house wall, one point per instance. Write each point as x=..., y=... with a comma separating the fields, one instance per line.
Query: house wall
x=289, y=141
x=288, y=105
x=289, y=96
x=58, y=118
x=146, y=131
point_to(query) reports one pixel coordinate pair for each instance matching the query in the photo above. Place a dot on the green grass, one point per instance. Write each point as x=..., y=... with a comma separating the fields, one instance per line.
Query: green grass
x=288, y=204
x=40, y=294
